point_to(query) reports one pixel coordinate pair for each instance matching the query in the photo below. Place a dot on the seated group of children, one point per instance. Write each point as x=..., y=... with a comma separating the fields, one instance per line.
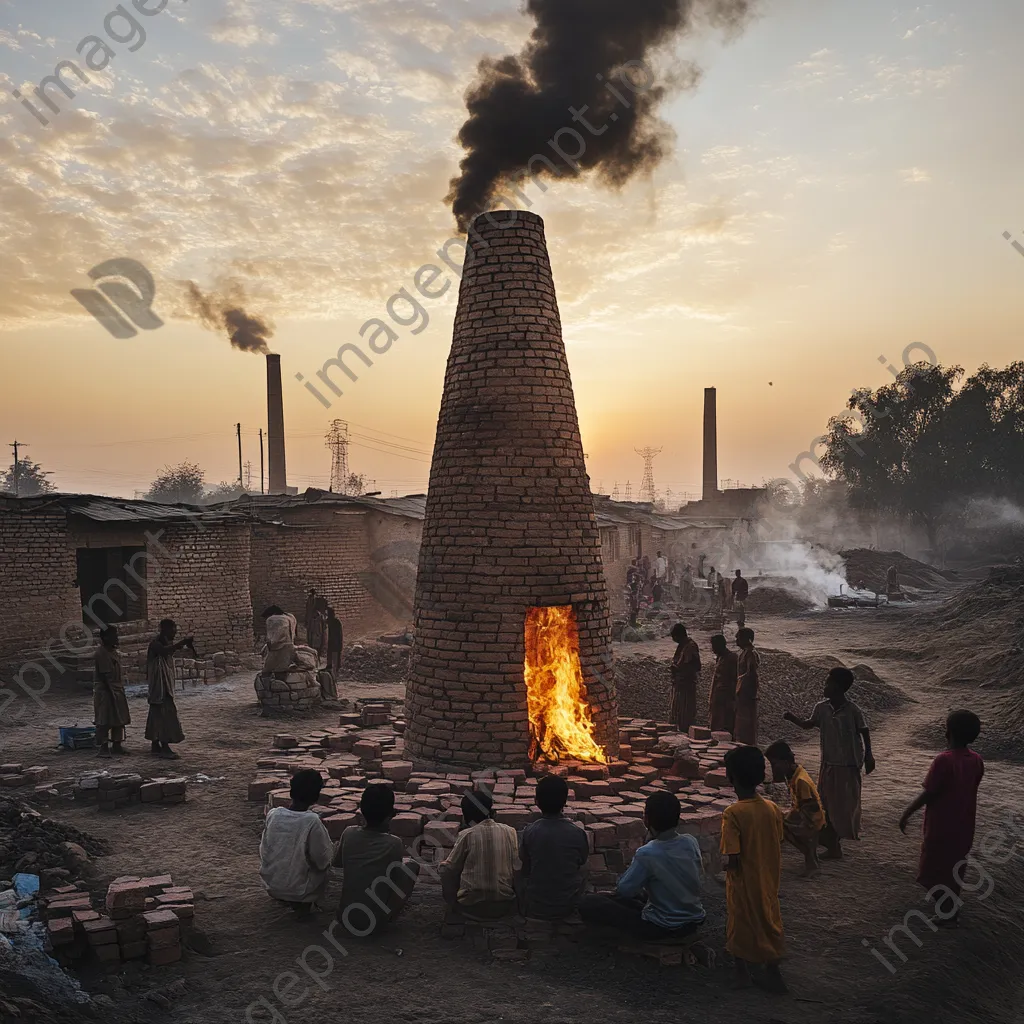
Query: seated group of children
x=491, y=872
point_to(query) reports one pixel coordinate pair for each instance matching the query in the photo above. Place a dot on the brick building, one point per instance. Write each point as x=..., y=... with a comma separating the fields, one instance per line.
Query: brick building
x=69, y=563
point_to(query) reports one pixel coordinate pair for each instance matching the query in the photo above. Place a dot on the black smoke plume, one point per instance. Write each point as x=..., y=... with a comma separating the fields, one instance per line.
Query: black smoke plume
x=222, y=311
x=589, y=55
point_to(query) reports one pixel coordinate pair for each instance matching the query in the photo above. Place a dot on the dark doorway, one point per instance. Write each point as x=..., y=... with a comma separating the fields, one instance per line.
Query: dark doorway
x=108, y=579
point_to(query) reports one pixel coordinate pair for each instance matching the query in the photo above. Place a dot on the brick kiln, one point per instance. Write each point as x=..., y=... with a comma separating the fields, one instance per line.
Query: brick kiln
x=512, y=657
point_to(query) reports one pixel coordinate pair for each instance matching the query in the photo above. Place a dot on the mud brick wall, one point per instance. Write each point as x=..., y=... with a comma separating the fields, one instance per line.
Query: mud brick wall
x=509, y=517
x=200, y=578
x=323, y=548
x=37, y=580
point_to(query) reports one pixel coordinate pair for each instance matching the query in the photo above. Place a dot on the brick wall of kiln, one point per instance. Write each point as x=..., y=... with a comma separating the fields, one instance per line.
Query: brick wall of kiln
x=200, y=578
x=509, y=519
x=38, y=594
x=341, y=554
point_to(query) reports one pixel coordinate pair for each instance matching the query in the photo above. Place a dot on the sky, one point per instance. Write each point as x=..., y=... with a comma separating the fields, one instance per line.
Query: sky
x=838, y=190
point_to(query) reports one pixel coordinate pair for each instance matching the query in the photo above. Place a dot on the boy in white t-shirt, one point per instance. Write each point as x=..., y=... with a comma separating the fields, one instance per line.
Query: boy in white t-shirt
x=296, y=851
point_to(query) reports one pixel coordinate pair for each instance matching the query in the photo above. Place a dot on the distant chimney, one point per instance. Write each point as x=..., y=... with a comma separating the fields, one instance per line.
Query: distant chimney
x=710, y=444
x=275, y=426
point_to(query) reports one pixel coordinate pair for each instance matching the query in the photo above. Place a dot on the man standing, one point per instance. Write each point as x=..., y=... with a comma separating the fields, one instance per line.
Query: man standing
x=162, y=725
x=723, y=686
x=748, y=664
x=685, y=673
x=633, y=583
x=334, y=638
x=661, y=569
x=740, y=589
x=109, y=703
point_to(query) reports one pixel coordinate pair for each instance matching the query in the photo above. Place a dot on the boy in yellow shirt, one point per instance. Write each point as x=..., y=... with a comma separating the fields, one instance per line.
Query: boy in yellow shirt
x=752, y=835
x=806, y=817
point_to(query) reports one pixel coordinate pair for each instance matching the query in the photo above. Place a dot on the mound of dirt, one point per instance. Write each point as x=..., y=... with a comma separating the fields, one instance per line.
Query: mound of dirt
x=787, y=684
x=977, y=648
x=29, y=842
x=367, y=661
x=768, y=600
x=864, y=564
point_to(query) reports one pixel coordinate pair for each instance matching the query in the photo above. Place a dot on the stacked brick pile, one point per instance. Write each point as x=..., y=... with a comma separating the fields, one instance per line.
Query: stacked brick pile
x=298, y=691
x=140, y=918
x=14, y=776
x=509, y=522
x=111, y=792
x=605, y=800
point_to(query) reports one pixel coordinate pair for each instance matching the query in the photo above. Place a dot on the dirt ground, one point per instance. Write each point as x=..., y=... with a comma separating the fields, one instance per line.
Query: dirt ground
x=249, y=944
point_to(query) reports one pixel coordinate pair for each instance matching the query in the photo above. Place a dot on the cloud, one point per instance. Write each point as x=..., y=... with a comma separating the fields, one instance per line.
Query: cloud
x=915, y=176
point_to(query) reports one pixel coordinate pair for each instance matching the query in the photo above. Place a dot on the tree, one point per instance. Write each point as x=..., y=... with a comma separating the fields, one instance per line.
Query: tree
x=921, y=448
x=26, y=478
x=178, y=484
x=223, y=491
x=355, y=484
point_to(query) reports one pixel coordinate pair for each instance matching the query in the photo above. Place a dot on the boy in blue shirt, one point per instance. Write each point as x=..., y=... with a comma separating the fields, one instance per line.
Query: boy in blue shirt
x=658, y=897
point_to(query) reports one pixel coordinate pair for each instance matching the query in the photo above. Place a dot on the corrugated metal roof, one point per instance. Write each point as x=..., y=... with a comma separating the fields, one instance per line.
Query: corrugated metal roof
x=116, y=510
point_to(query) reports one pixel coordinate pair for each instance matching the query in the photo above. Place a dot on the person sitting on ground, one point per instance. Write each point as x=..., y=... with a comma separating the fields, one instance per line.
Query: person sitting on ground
x=752, y=834
x=845, y=748
x=110, y=705
x=554, y=854
x=296, y=851
x=950, y=800
x=478, y=876
x=658, y=897
x=806, y=817
x=370, y=857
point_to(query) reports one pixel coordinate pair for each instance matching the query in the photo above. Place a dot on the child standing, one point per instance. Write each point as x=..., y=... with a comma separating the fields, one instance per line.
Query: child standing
x=845, y=749
x=950, y=800
x=752, y=833
x=806, y=817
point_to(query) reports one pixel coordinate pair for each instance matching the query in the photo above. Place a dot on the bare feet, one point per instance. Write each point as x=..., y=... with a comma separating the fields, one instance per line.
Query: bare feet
x=771, y=980
x=104, y=751
x=742, y=977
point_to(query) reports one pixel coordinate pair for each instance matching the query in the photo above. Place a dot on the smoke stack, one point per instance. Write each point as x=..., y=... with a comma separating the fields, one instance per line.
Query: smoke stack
x=710, y=444
x=275, y=426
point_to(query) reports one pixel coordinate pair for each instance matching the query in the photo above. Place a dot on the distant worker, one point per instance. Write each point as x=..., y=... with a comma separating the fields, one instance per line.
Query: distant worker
x=334, y=639
x=110, y=705
x=748, y=665
x=712, y=580
x=661, y=568
x=685, y=673
x=723, y=686
x=892, y=581
x=633, y=585
x=645, y=568
x=310, y=612
x=740, y=590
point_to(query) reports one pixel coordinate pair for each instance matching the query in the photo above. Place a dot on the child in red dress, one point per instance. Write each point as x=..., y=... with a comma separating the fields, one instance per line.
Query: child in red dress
x=950, y=799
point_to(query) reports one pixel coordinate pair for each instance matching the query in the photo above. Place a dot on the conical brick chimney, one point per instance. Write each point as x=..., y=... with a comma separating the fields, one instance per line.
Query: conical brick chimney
x=510, y=522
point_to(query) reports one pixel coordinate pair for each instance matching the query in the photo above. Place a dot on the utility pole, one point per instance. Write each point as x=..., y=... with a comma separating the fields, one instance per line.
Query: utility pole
x=238, y=431
x=15, y=446
x=261, y=462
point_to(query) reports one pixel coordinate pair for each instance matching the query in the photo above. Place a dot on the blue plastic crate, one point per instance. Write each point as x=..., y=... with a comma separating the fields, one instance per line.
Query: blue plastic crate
x=77, y=737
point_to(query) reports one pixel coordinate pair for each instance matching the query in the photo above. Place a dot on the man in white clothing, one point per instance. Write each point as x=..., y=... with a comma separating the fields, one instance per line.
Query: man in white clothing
x=296, y=851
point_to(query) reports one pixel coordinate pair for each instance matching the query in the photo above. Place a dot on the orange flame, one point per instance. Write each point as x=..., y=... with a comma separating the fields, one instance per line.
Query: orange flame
x=560, y=722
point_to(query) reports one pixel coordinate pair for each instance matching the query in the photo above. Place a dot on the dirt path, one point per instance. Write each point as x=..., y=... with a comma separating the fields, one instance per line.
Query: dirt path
x=211, y=844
